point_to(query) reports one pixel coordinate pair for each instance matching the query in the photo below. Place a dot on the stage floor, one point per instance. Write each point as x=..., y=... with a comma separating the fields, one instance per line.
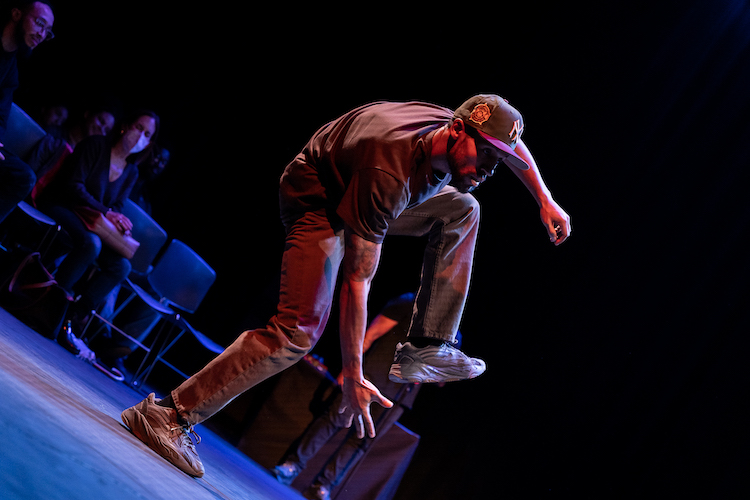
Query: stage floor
x=62, y=438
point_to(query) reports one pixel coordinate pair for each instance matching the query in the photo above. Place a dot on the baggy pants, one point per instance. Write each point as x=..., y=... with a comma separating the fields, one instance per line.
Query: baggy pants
x=310, y=264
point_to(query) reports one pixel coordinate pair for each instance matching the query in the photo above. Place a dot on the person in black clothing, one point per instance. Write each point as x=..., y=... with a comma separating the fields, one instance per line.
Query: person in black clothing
x=24, y=26
x=98, y=175
x=149, y=173
x=385, y=331
x=137, y=319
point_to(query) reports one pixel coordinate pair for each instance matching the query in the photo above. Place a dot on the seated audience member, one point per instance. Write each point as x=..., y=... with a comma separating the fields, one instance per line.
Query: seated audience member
x=98, y=175
x=53, y=117
x=57, y=144
x=97, y=120
x=385, y=331
x=137, y=319
x=149, y=171
x=23, y=26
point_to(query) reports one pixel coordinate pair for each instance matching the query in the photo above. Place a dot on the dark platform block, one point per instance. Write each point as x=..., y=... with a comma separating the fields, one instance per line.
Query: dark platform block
x=285, y=415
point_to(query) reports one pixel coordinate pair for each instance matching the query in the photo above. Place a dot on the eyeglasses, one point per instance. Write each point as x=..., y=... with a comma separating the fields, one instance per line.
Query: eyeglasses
x=42, y=25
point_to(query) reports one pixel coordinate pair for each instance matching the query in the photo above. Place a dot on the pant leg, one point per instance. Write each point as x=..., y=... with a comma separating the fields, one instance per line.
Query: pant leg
x=86, y=247
x=16, y=182
x=113, y=269
x=450, y=220
x=310, y=264
x=353, y=449
x=317, y=434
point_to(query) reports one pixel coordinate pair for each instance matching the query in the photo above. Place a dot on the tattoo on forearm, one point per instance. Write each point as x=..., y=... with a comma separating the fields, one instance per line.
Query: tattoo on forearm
x=361, y=258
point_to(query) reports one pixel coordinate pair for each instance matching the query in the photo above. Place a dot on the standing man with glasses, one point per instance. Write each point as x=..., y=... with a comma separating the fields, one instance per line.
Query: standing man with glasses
x=25, y=24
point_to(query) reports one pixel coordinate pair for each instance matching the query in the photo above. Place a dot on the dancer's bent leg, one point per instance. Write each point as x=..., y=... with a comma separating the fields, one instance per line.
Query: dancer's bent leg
x=310, y=265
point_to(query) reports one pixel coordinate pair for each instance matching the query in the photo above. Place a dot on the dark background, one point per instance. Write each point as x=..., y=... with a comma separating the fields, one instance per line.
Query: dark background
x=617, y=363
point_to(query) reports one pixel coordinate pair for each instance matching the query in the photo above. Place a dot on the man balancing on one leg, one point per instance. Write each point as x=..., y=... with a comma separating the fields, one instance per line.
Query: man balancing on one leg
x=383, y=168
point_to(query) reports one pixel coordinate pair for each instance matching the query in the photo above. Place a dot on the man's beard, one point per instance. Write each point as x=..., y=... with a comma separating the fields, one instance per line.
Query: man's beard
x=459, y=181
x=461, y=186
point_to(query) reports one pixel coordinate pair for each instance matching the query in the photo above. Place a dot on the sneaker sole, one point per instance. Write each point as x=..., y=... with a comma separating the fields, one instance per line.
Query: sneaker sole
x=139, y=426
x=423, y=374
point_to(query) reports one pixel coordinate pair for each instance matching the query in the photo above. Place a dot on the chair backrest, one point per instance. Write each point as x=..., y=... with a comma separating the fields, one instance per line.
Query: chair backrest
x=148, y=233
x=181, y=276
x=22, y=133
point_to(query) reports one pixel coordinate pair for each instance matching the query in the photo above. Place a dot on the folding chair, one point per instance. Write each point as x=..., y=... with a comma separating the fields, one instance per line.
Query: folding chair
x=180, y=280
x=184, y=326
x=152, y=238
x=22, y=133
x=21, y=137
x=148, y=233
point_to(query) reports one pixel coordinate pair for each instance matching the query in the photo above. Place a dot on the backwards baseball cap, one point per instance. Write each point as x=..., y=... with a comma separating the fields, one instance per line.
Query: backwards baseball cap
x=497, y=121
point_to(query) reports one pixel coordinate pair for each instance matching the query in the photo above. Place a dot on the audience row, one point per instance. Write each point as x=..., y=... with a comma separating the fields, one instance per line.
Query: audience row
x=85, y=168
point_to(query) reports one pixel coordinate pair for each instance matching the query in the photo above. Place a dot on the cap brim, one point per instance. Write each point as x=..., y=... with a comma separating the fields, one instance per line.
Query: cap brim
x=512, y=160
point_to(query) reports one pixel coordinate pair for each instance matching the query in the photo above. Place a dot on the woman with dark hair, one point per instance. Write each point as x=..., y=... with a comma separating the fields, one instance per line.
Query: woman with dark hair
x=98, y=176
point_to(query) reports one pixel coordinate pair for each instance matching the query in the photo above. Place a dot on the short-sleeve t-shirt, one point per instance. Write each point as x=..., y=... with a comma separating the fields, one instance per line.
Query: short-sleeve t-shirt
x=368, y=166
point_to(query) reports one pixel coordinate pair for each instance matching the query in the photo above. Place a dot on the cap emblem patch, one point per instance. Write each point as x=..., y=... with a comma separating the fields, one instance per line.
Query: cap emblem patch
x=480, y=114
x=515, y=132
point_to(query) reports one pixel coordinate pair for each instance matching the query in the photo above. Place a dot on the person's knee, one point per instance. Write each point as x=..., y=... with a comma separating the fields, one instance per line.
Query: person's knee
x=469, y=203
x=90, y=245
x=465, y=208
x=274, y=342
x=26, y=182
x=121, y=268
x=18, y=180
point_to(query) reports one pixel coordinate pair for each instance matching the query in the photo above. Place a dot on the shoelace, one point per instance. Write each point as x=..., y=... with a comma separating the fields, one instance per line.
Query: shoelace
x=187, y=430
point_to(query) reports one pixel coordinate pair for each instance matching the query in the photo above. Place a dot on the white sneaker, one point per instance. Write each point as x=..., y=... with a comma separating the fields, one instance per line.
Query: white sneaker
x=433, y=364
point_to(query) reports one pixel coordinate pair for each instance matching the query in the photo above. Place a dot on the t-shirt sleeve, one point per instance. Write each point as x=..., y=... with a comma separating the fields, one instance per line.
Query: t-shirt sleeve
x=88, y=159
x=372, y=199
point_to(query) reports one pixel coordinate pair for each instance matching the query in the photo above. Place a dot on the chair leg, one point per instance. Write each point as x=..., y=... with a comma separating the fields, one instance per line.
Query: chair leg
x=95, y=314
x=44, y=245
x=144, y=369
